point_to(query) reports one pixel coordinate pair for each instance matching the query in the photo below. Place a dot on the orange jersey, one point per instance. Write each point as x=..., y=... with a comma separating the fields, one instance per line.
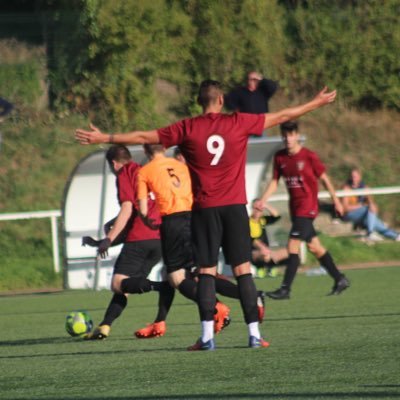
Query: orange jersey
x=170, y=182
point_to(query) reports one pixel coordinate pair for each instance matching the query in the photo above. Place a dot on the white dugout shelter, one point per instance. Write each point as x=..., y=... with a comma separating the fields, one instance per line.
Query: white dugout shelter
x=90, y=200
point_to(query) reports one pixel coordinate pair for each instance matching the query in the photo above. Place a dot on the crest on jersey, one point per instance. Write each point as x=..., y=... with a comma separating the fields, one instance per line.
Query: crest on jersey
x=300, y=165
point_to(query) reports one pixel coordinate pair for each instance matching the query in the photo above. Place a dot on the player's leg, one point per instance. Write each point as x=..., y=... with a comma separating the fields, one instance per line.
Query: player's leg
x=227, y=288
x=159, y=327
x=298, y=232
x=152, y=257
x=279, y=256
x=176, y=240
x=292, y=264
x=237, y=250
x=115, y=308
x=206, y=236
x=177, y=252
x=135, y=258
x=180, y=280
x=127, y=269
x=325, y=259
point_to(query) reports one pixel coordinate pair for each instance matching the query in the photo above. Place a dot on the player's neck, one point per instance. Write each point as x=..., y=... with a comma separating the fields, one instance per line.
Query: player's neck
x=158, y=155
x=294, y=150
x=213, y=108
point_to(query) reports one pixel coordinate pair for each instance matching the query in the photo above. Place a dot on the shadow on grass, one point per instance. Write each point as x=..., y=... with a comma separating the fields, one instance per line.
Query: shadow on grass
x=30, y=342
x=77, y=354
x=335, y=317
x=381, y=386
x=265, y=395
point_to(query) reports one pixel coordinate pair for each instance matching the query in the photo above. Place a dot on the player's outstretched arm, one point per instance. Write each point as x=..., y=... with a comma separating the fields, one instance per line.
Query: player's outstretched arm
x=321, y=99
x=95, y=136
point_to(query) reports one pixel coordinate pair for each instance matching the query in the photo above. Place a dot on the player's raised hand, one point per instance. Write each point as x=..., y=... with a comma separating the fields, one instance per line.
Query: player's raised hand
x=93, y=136
x=324, y=97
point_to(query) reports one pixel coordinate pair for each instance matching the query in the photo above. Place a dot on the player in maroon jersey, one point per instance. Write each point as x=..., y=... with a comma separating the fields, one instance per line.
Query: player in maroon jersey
x=301, y=169
x=141, y=250
x=214, y=146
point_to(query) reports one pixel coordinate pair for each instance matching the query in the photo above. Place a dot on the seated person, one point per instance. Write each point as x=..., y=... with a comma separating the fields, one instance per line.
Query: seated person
x=363, y=211
x=261, y=255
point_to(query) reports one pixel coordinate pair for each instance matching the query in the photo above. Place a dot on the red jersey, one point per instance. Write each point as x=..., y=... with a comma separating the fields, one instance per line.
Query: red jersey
x=301, y=172
x=126, y=189
x=214, y=146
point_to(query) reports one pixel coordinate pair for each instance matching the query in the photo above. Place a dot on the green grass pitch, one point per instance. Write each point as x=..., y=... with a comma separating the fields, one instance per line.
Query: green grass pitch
x=343, y=347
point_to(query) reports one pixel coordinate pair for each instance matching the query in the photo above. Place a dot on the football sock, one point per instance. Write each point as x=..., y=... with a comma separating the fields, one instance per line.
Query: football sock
x=327, y=262
x=114, y=309
x=226, y=288
x=139, y=285
x=188, y=288
x=157, y=286
x=206, y=297
x=291, y=270
x=207, y=330
x=248, y=297
x=254, y=330
x=165, y=299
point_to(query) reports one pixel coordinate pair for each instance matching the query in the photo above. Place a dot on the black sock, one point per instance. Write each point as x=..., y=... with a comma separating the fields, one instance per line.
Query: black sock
x=157, y=286
x=165, y=299
x=206, y=297
x=248, y=297
x=188, y=288
x=291, y=270
x=136, y=285
x=114, y=309
x=327, y=262
x=226, y=288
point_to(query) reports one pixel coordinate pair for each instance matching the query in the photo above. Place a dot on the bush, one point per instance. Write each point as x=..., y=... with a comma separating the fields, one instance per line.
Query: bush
x=22, y=75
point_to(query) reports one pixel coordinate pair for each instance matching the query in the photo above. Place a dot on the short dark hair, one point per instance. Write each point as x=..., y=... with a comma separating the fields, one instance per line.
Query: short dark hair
x=177, y=151
x=150, y=149
x=209, y=91
x=118, y=152
x=289, y=126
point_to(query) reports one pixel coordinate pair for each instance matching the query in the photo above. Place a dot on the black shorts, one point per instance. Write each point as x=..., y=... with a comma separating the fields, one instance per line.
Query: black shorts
x=302, y=229
x=138, y=258
x=176, y=241
x=226, y=226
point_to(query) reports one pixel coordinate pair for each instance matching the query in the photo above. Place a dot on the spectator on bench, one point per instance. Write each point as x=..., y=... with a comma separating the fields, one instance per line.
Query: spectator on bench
x=363, y=211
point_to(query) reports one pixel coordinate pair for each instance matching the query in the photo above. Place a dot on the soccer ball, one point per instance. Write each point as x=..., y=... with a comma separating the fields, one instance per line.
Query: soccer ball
x=78, y=323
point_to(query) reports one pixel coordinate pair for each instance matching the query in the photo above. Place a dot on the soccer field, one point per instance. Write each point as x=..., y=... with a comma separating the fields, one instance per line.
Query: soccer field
x=344, y=347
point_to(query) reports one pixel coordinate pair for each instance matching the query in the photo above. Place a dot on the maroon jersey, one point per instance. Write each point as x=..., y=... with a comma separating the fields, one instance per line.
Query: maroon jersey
x=214, y=146
x=301, y=172
x=126, y=189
